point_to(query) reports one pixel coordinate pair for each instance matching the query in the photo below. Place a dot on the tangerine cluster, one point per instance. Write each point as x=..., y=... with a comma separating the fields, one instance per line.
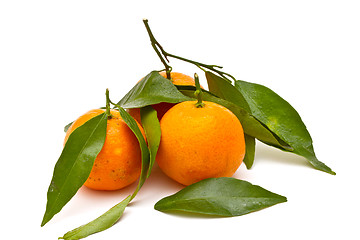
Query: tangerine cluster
x=197, y=142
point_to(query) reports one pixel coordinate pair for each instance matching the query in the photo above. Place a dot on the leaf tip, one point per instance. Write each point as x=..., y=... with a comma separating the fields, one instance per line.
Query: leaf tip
x=248, y=166
x=44, y=221
x=159, y=206
x=156, y=206
x=325, y=168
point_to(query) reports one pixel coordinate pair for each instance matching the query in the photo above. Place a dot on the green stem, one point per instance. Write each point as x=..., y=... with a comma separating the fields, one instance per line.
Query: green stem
x=155, y=44
x=202, y=65
x=157, y=47
x=198, y=93
x=107, y=111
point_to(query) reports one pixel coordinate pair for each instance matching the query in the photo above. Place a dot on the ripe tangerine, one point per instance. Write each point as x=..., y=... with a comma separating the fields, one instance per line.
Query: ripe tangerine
x=119, y=162
x=200, y=142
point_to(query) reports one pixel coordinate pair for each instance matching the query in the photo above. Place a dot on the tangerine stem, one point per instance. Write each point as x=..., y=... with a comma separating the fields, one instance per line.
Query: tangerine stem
x=202, y=65
x=108, y=113
x=198, y=93
x=156, y=45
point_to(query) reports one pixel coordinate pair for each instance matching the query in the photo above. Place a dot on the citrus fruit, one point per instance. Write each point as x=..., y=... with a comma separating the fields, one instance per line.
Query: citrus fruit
x=200, y=142
x=119, y=162
x=162, y=108
x=179, y=78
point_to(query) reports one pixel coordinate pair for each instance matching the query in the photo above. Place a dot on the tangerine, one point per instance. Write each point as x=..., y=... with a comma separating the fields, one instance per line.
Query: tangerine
x=200, y=142
x=162, y=108
x=119, y=162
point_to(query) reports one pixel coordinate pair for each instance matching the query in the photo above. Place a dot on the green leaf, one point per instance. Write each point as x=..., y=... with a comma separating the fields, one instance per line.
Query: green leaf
x=250, y=151
x=274, y=113
x=101, y=223
x=145, y=154
x=151, y=90
x=152, y=130
x=67, y=126
x=252, y=126
x=282, y=119
x=113, y=215
x=220, y=197
x=225, y=90
x=75, y=164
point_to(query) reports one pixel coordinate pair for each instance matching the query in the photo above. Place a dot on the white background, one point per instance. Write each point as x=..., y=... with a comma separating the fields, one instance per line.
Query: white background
x=58, y=57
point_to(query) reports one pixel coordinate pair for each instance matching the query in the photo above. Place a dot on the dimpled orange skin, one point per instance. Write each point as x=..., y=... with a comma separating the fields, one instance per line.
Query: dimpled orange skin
x=162, y=108
x=199, y=143
x=119, y=162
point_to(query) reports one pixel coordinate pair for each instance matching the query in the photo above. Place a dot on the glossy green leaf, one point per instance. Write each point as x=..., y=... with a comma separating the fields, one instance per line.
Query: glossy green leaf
x=282, y=119
x=114, y=214
x=101, y=223
x=75, y=164
x=152, y=89
x=151, y=126
x=145, y=154
x=252, y=126
x=250, y=151
x=225, y=90
x=220, y=197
